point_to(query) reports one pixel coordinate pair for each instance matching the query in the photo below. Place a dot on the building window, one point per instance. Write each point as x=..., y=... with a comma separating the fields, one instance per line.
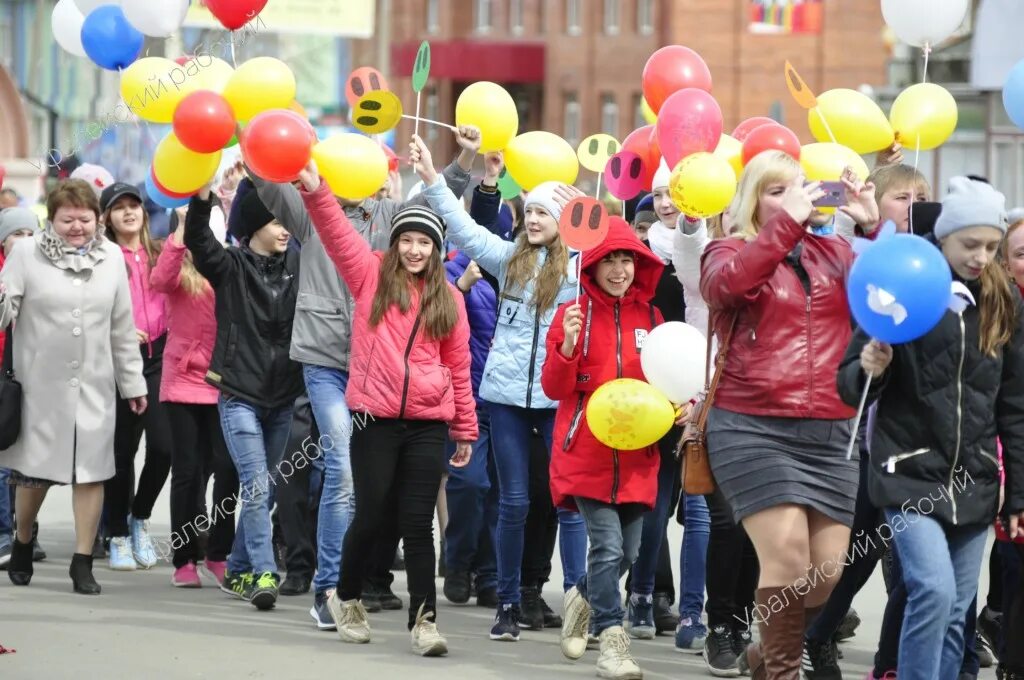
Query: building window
x=645, y=17
x=433, y=16
x=515, y=17
x=432, y=111
x=611, y=17
x=638, y=111
x=609, y=115
x=482, y=15
x=572, y=118
x=574, y=17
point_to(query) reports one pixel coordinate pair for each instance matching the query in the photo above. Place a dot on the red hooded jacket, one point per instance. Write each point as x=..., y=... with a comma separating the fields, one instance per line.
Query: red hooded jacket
x=613, y=333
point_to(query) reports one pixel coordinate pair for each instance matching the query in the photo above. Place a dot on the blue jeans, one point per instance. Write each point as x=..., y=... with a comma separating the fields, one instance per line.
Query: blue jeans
x=256, y=438
x=326, y=390
x=472, y=493
x=614, y=532
x=941, y=565
x=693, y=555
x=511, y=429
x=655, y=522
x=6, y=511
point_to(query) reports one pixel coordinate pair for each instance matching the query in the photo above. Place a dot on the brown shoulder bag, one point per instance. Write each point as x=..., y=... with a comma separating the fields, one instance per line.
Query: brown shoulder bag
x=696, y=468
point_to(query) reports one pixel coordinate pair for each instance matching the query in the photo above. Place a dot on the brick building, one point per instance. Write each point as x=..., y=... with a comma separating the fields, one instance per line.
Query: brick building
x=573, y=66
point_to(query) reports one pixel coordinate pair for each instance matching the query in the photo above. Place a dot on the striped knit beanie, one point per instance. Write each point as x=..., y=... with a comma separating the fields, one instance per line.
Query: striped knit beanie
x=421, y=219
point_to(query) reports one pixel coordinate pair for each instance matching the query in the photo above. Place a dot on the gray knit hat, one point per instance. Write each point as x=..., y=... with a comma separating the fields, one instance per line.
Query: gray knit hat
x=970, y=203
x=14, y=219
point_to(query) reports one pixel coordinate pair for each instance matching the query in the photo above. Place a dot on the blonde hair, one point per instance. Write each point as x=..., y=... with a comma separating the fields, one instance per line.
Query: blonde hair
x=888, y=178
x=763, y=169
x=522, y=268
x=192, y=282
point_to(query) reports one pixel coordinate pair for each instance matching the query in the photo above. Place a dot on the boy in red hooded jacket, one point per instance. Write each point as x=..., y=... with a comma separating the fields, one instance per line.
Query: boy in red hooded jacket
x=590, y=343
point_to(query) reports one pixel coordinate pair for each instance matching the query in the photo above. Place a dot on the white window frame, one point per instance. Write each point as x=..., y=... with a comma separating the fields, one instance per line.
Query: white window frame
x=515, y=17
x=433, y=17
x=645, y=17
x=574, y=17
x=572, y=119
x=612, y=16
x=482, y=19
x=609, y=114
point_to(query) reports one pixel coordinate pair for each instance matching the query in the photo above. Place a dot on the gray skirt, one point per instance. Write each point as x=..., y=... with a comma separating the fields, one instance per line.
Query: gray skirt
x=760, y=462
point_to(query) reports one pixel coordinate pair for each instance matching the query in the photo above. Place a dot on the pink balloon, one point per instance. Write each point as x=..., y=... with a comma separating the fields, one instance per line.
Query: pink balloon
x=690, y=121
x=624, y=175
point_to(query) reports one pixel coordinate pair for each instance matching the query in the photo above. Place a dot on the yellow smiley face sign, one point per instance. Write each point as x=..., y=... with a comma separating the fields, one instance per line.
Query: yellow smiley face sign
x=595, y=151
x=377, y=112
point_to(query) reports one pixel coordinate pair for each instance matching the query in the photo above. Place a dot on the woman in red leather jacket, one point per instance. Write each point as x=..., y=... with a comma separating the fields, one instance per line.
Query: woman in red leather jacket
x=778, y=431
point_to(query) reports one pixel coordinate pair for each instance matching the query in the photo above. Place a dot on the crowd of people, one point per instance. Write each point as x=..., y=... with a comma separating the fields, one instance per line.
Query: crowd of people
x=344, y=371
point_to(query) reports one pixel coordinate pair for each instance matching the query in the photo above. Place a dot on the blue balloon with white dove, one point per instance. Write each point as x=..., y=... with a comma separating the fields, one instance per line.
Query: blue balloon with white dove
x=900, y=286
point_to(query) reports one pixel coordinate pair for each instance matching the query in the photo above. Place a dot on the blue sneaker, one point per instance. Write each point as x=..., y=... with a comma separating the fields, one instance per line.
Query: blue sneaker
x=142, y=544
x=691, y=634
x=506, y=623
x=121, y=558
x=640, y=617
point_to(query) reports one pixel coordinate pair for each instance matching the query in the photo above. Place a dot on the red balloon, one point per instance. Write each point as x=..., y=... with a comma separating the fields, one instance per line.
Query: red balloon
x=204, y=122
x=644, y=143
x=749, y=125
x=392, y=158
x=690, y=121
x=277, y=144
x=164, y=190
x=769, y=137
x=234, y=14
x=670, y=69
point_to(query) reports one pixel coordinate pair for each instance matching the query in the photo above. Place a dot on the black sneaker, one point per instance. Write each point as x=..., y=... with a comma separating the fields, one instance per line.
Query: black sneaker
x=380, y=598
x=5, y=549
x=487, y=597
x=239, y=585
x=370, y=599
x=664, y=618
x=740, y=639
x=848, y=626
x=264, y=593
x=821, y=661
x=986, y=653
x=295, y=584
x=457, y=587
x=990, y=625
x=506, y=624
x=531, y=616
x=720, y=654
x=321, y=613
x=551, y=619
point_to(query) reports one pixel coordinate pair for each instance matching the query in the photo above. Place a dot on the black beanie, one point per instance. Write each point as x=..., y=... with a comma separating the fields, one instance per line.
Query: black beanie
x=421, y=219
x=254, y=216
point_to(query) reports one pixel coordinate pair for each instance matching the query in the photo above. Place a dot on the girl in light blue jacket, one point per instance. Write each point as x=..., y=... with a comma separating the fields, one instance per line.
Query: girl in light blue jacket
x=536, y=274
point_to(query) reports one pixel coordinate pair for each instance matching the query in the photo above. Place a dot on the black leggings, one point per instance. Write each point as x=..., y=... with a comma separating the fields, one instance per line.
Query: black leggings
x=396, y=471
x=118, y=490
x=730, y=591
x=199, y=451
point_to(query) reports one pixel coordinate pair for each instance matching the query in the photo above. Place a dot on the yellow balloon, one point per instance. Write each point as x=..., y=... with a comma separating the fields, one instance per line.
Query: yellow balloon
x=649, y=115
x=491, y=108
x=854, y=119
x=353, y=165
x=213, y=77
x=825, y=161
x=628, y=414
x=258, y=85
x=702, y=184
x=182, y=170
x=731, y=149
x=149, y=91
x=536, y=157
x=924, y=116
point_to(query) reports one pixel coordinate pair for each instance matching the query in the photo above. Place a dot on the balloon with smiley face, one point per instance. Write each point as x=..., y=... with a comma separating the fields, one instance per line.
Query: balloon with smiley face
x=377, y=112
x=595, y=151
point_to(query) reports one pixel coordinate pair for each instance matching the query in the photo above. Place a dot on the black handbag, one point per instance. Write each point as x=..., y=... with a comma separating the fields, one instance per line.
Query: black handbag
x=10, y=398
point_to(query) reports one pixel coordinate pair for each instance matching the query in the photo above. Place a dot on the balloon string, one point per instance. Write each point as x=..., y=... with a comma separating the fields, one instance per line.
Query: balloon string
x=233, y=63
x=597, y=195
x=856, y=421
x=824, y=122
x=927, y=52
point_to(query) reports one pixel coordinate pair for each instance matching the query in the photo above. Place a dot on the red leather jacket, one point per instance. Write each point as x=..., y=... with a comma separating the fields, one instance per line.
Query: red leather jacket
x=790, y=333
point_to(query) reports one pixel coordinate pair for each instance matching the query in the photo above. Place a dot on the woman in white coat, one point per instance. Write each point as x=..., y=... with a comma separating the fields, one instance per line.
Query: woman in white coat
x=66, y=290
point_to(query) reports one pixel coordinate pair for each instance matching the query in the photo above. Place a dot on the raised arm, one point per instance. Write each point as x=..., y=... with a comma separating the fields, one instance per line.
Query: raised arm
x=166, y=275
x=349, y=252
x=456, y=356
x=209, y=256
x=689, y=242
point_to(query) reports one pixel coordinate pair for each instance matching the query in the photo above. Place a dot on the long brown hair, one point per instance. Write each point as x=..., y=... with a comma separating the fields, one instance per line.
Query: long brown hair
x=438, y=310
x=149, y=244
x=548, y=280
x=997, y=307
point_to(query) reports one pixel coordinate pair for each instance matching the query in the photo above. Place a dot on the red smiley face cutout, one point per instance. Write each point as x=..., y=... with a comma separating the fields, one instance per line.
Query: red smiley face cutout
x=364, y=79
x=624, y=175
x=584, y=223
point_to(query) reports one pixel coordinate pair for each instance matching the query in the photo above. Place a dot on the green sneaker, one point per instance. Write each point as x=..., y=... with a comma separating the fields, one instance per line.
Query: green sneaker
x=264, y=594
x=238, y=585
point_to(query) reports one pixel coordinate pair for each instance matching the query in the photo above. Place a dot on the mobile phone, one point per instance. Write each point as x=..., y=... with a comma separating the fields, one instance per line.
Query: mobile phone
x=835, y=195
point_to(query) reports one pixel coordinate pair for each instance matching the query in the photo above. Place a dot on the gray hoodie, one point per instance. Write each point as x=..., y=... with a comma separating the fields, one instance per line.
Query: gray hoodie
x=323, y=312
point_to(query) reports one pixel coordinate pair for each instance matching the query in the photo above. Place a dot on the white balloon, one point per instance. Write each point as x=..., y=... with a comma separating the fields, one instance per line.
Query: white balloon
x=87, y=6
x=66, y=22
x=673, y=359
x=156, y=18
x=924, y=21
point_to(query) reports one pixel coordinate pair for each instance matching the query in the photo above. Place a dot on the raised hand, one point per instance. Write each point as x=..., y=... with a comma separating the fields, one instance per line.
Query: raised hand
x=860, y=201
x=309, y=176
x=422, y=162
x=799, y=198
x=469, y=138
x=494, y=163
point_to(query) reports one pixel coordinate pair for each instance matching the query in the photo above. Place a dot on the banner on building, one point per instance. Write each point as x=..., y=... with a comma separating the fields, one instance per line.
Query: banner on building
x=340, y=18
x=786, y=16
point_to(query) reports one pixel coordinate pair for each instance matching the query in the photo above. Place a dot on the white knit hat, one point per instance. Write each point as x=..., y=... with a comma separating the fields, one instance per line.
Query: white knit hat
x=544, y=195
x=662, y=177
x=970, y=203
x=98, y=177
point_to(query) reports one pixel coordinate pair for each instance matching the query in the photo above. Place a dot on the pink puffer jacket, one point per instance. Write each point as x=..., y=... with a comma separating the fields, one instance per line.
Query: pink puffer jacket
x=191, y=335
x=396, y=371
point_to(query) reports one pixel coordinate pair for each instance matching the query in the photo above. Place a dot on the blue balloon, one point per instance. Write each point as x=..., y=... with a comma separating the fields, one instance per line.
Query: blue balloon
x=1013, y=95
x=899, y=288
x=109, y=39
x=160, y=198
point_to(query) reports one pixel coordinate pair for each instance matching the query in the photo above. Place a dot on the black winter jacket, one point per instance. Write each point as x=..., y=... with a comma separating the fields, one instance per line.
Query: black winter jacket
x=941, y=405
x=255, y=308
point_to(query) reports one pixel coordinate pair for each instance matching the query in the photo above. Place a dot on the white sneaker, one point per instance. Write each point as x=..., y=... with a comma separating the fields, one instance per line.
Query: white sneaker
x=575, y=624
x=615, y=661
x=142, y=543
x=121, y=554
x=350, y=619
x=426, y=641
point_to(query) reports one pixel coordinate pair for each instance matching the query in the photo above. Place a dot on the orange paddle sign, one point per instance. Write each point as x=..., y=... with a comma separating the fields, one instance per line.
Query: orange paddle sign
x=798, y=88
x=584, y=223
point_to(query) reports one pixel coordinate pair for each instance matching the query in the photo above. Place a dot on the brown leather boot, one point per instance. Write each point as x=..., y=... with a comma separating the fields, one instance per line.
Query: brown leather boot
x=782, y=635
